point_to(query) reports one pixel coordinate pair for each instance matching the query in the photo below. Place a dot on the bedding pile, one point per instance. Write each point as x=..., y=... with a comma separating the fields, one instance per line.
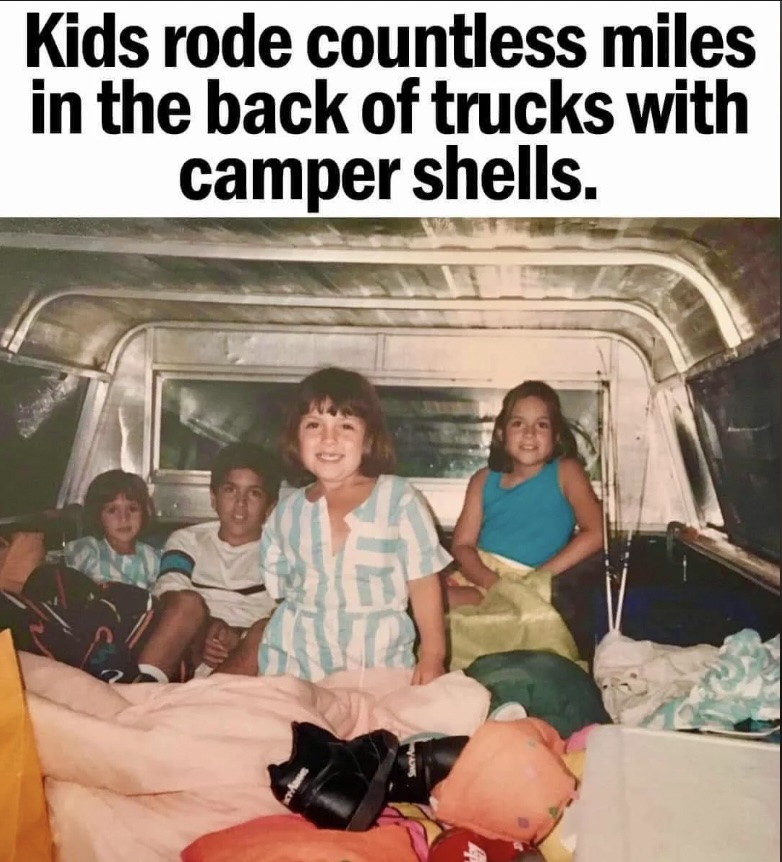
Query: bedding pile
x=182, y=771
x=137, y=772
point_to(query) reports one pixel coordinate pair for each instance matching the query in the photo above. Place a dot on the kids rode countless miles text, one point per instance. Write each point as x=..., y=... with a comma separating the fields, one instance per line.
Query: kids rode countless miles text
x=525, y=108
x=467, y=43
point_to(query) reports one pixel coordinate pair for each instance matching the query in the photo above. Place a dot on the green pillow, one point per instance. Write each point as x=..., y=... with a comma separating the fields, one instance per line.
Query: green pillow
x=547, y=685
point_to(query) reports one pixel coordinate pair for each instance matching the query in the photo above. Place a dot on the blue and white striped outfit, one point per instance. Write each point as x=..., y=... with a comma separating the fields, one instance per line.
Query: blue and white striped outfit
x=99, y=561
x=347, y=610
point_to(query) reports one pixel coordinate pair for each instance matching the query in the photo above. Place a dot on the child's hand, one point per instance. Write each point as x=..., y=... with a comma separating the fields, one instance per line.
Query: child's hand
x=220, y=640
x=427, y=669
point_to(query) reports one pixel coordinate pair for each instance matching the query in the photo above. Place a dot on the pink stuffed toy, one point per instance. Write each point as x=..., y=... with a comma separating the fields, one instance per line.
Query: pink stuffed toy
x=509, y=782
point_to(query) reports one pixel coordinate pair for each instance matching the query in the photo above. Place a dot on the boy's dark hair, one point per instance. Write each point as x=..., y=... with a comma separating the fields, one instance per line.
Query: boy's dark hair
x=564, y=439
x=247, y=456
x=337, y=390
x=107, y=487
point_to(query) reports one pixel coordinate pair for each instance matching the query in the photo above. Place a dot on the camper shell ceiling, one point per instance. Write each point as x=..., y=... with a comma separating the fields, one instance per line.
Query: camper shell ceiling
x=685, y=291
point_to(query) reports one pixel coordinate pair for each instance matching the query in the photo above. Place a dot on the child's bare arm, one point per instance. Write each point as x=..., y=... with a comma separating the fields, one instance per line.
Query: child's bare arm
x=427, y=605
x=464, y=546
x=577, y=488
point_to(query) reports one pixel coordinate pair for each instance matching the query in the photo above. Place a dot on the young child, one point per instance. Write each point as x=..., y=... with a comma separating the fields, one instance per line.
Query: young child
x=345, y=554
x=95, y=611
x=525, y=505
x=210, y=574
x=117, y=508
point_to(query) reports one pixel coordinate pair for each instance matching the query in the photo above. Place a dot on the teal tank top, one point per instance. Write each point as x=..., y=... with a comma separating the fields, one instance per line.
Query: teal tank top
x=529, y=523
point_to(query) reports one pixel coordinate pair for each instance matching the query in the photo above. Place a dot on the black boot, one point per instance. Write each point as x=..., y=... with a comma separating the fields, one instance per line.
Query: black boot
x=335, y=783
x=419, y=766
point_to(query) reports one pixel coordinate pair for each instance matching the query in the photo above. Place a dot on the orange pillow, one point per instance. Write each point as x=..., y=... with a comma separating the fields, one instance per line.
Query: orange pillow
x=509, y=782
x=18, y=558
x=290, y=838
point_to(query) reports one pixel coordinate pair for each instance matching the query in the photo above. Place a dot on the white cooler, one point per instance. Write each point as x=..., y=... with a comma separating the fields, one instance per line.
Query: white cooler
x=663, y=796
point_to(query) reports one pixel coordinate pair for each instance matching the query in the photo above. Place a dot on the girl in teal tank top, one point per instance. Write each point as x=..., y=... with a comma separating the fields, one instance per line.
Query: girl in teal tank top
x=529, y=522
x=525, y=506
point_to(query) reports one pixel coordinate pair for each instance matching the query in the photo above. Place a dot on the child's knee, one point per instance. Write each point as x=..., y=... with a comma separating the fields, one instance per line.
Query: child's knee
x=185, y=604
x=460, y=596
x=244, y=659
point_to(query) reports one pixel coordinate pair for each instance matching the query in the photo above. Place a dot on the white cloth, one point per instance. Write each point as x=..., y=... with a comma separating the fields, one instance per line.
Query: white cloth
x=637, y=677
x=742, y=684
x=217, y=571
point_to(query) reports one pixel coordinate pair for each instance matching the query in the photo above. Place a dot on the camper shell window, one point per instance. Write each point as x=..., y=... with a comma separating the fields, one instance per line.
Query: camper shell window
x=737, y=412
x=39, y=410
x=439, y=432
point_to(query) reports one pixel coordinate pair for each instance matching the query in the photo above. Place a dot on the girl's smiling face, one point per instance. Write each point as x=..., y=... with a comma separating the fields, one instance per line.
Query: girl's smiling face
x=331, y=446
x=528, y=436
x=122, y=520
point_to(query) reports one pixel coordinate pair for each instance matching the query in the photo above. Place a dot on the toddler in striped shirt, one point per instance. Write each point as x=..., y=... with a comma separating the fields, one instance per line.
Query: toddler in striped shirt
x=117, y=507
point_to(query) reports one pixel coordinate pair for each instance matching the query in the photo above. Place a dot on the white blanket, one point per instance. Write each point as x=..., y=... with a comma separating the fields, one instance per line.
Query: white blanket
x=637, y=677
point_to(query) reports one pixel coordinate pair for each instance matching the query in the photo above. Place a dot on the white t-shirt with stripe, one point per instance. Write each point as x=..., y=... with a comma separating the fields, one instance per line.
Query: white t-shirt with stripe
x=228, y=578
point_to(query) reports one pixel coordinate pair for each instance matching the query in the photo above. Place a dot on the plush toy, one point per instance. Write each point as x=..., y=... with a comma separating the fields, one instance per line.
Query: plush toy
x=523, y=761
x=559, y=845
x=458, y=845
x=539, y=774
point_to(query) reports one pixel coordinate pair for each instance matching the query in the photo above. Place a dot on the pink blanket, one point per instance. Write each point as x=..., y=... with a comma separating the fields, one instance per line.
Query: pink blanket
x=137, y=772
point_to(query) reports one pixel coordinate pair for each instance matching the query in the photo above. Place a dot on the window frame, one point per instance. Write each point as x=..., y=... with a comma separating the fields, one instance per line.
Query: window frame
x=445, y=495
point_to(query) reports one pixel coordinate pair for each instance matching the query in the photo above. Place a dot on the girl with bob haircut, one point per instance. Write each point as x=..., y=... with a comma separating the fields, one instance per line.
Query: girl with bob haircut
x=337, y=391
x=346, y=554
x=107, y=487
x=521, y=510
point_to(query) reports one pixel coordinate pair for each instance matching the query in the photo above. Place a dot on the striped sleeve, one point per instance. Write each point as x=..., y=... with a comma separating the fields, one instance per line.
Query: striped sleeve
x=274, y=564
x=151, y=558
x=176, y=565
x=422, y=553
x=82, y=555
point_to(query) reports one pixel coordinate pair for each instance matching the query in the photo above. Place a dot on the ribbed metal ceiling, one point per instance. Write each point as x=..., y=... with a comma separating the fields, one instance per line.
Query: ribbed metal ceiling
x=683, y=290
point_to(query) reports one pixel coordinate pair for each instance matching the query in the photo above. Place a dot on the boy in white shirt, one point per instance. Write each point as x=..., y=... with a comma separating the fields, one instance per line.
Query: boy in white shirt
x=210, y=585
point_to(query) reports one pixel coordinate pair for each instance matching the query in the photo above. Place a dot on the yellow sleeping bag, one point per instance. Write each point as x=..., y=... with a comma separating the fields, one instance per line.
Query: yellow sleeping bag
x=516, y=613
x=25, y=835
